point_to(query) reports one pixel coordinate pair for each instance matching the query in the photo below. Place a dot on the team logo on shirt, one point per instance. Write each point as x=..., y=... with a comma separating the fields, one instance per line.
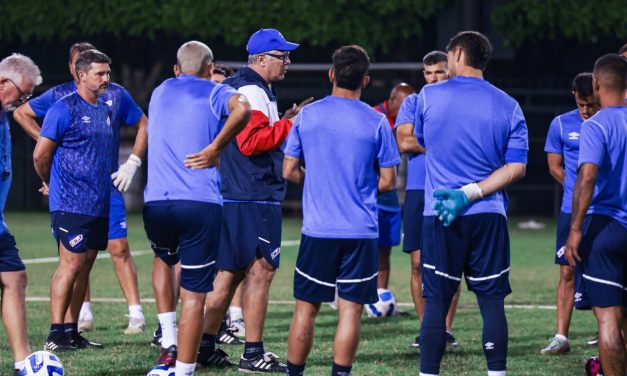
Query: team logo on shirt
x=75, y=240
x=573, y=136
x=489, y=346
x=86, y=119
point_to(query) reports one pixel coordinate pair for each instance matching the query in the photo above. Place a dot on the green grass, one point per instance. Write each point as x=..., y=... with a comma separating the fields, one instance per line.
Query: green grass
x=384, y=347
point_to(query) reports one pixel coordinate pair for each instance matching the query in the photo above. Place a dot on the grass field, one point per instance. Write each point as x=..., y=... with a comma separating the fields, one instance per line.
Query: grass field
x=384, y=347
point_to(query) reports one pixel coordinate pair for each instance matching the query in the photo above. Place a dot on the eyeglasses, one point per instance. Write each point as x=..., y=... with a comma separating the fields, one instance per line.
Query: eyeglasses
x=23, y=95
x=285, y=57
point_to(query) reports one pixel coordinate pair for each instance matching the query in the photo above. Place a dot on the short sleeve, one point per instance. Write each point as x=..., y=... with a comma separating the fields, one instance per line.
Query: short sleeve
x=407, y=112
x=56, y=122
x=294, y=147
x=388, y=154
x=220, y=96
x=129, y=111
x=42, y=103
x=592, y=143
x=518, y=143
x=554, y=143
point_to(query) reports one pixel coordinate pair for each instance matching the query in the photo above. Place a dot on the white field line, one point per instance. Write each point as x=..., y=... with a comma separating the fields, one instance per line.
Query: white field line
x=143, y=252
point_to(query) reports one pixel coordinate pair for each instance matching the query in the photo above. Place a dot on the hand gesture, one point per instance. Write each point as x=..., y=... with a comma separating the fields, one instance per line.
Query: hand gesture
x=207, y=157
x=571, y=249
x=296, y=109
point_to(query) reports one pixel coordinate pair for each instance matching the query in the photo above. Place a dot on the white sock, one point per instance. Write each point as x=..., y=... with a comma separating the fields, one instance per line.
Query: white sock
x=184, y=369
x=167, y=321
x=236, y=313
x=135, y=312
x=19, y=365
x=86, y=314
x=561, y=337
x=496, y=373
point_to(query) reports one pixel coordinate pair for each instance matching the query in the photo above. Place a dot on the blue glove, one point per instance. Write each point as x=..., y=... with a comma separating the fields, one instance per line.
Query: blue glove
x=450, y=202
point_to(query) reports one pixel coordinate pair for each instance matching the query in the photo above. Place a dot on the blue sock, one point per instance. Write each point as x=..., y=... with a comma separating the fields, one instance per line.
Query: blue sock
x=56, y=331
x=71, y=330
x=253, y=349
x=495, y=336
x=223, y=325
x=158, y=332
x=339, y=370
x=208, y=342
x=294, y=370
x=433, y=335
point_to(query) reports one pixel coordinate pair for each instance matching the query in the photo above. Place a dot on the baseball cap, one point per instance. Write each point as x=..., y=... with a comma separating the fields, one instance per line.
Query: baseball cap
x=264, y=40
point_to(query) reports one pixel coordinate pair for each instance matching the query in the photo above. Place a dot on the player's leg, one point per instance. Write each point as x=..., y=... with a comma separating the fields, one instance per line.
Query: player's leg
x=611, y=342
x=256, y=294
x=13, y=286
x=383, y=278
x=301, y=335
x=86, y=316
x=451, y=342
x=236, y=317
x=78, y=294
x=416, y=284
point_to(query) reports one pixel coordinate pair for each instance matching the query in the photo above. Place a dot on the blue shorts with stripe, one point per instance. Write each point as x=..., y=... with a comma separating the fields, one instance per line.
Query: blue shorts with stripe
x=189, y=232
x=563, y=228
x=117, y=216
x=250, y=230
x=412, y=220
x=389, y=228
x=476, y=246
x=349, y=264
x=10, y=260
x=79, y=232
x=603, y=269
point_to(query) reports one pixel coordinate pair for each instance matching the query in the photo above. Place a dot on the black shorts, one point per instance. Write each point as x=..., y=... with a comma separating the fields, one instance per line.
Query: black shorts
x=78, y=232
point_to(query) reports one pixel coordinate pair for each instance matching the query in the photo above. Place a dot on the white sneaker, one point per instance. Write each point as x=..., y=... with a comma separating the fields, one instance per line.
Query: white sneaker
x=238, y=328
x=135, y=326
x=86, y=325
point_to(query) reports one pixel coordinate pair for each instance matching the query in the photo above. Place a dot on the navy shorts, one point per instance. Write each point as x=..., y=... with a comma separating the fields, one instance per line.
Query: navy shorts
x=563, y=228
x=189, y=232
x=10, y=260
x=78, y=232
x=389, y=228
x=249, y=230
x=476, y=245
x=412, y=220
x=117, y=216
x=603, y=269
x=349, y=264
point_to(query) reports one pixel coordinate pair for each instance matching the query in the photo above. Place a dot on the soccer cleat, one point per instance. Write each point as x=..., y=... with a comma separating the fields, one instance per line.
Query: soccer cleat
x=227, y=337
x=267, y=362
x=82, y=343
x=593, y=341
x=135, y=326
x=416, y=343
x=167, y=356
x=60, y=344
x=86, y=325
x=556, y=346
x=156, y=338
x=451, y=342
x=238, y=328
x=215, y=358
x=593, y=367
x=17, y=372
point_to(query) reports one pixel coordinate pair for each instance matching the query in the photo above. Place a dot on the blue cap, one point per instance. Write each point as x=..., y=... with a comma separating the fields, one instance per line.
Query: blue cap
x=264, y=40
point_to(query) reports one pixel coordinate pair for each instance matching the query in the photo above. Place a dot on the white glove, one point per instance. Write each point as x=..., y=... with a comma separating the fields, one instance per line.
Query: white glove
x=123, y=177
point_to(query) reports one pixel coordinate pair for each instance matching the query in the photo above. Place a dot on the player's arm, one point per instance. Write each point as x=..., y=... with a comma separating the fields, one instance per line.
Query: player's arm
x=582, y=196
x=556, y=167
x=406, y=140
x=141, y=140
x=25, y=117
x=292, y=171
x=239, y=114
x=42, y=157
x=387, y=179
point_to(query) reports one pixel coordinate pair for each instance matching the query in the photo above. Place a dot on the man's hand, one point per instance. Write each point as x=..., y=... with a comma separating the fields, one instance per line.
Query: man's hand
x=296, y=109
x=124, y=175
x=450, y=202
x=44, y=189
x=207, y=157
x=571, y=249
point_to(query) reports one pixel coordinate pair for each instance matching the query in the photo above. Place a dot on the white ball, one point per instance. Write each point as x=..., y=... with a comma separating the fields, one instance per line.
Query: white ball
x=385, y=307
x=42, y=363
x=161, y=370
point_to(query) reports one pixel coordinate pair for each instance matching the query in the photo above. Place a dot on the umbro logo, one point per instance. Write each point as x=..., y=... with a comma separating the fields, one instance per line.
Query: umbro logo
x=86, y=119
x=578, y=296
x=489, y=346
x=573, y=136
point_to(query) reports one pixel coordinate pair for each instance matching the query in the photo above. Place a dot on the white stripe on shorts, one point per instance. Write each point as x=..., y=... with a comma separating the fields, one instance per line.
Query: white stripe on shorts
x=358, y=280
x=604, y=281
x=479, y=279
x=197, y=266
x=442, y=274
x=314, y=279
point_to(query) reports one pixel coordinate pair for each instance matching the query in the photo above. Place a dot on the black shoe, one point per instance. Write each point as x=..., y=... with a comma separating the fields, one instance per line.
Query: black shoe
x=267, y=362
x=81, y=343
x=416, y=343
x=451, y=342
x=215, y=358
x=167, y=356
x=228, y=337
x=156, y=339
x=17, y=372
x=59, y=344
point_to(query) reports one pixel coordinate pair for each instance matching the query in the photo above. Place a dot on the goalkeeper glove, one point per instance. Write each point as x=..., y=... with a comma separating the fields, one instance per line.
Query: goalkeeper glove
x=123, y=177
x=451, y=202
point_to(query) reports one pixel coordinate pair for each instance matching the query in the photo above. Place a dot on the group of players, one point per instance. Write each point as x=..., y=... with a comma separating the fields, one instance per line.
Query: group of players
x=218, y=159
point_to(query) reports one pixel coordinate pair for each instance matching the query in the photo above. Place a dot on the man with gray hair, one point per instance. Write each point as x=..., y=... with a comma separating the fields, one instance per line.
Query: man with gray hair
x=18, y=77
x=183, y=211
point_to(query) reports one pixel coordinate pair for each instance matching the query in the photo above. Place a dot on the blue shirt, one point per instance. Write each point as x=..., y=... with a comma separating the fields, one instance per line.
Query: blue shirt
x=407, y=114
x=342, y=141
x=6, y=172
x=470, y=129
x=80, y=178
x=124, y=110
x=186, y=115
x=563, y=139
x=604, y=143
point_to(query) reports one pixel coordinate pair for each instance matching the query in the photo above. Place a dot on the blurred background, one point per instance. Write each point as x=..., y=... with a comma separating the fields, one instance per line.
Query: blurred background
x=539, y=46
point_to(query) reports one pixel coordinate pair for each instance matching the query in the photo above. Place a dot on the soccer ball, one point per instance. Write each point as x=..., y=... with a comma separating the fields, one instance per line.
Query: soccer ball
x=42, y=363
x=385, y=307
x=161, y=370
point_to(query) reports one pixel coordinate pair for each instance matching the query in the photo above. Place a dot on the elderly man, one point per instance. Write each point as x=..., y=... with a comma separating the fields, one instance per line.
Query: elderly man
x=18, y=77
